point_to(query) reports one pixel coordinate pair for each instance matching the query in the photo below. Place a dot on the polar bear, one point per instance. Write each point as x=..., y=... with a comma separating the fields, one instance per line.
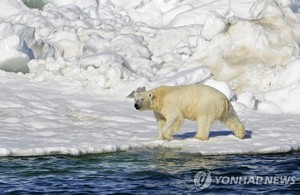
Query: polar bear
x=200, y=103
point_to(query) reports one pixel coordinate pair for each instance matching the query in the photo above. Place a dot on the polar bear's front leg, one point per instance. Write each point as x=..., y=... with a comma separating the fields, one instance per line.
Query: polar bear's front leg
x=167, y=131
x=171, y=125
x=203, y=125
x=160, y=123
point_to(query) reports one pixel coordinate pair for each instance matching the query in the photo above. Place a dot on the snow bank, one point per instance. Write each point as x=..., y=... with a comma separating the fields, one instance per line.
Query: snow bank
x=110, y=46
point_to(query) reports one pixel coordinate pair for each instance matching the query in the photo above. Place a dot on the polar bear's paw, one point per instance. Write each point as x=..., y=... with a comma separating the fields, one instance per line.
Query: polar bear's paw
x=202, y=138
x=240, y=134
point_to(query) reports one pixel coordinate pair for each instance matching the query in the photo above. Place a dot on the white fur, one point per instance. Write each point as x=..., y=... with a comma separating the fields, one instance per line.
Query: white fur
x=200, y=103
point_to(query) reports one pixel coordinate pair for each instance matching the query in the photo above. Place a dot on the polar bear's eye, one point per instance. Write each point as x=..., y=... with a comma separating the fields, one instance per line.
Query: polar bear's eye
x=142, y=99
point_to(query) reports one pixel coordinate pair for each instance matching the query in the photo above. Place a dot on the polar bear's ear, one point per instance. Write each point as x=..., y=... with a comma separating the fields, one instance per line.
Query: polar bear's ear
x=151, y=96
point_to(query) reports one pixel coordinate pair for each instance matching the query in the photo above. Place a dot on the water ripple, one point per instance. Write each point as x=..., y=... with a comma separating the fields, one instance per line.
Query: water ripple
x=142, y=172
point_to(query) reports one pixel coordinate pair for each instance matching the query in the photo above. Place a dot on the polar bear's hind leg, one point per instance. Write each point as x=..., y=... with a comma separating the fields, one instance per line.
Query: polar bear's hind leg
x=233, y=122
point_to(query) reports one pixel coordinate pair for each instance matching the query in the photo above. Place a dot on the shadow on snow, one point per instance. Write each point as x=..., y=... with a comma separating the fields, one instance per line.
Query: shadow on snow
x=211, y=134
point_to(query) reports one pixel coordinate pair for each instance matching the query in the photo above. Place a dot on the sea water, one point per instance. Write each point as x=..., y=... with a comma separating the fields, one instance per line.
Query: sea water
x=153, y=171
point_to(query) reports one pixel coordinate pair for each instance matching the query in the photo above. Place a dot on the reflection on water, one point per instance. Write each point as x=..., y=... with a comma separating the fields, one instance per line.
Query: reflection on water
x=160, y=171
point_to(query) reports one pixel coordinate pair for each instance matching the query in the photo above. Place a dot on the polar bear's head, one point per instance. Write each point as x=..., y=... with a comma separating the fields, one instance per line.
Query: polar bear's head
x=142, y=100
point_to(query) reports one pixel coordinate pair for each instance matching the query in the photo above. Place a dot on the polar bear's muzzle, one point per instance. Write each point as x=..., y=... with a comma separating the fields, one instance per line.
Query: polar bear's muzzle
x=138, y=104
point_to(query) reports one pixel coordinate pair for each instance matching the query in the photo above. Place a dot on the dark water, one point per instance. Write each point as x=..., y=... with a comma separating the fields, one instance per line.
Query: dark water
x=154, y=172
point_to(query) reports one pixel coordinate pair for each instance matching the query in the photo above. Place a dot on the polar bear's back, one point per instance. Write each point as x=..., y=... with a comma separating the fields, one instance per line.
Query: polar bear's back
x=191, y=100
x=190, y=91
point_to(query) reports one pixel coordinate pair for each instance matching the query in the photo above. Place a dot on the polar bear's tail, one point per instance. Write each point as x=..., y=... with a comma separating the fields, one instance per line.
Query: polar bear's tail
x=233, y=122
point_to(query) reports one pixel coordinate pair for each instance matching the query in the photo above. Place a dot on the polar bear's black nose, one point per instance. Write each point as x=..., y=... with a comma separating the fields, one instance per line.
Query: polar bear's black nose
x=136, y=106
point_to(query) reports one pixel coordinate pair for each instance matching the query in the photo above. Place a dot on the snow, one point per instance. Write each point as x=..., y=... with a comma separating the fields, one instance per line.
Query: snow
x=81, y=4
x=67, y=68
x=38, y=118
x=9, y=8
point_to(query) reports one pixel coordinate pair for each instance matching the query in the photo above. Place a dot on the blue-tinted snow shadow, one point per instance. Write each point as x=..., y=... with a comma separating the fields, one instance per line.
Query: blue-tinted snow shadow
x=211, y=134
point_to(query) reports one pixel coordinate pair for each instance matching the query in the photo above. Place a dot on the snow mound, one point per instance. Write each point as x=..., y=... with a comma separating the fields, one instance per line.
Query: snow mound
x=16, y=41
x=112, y=45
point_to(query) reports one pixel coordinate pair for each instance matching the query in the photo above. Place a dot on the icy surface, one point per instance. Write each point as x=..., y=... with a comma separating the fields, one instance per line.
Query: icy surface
x=41, y=119
x=67, y=68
